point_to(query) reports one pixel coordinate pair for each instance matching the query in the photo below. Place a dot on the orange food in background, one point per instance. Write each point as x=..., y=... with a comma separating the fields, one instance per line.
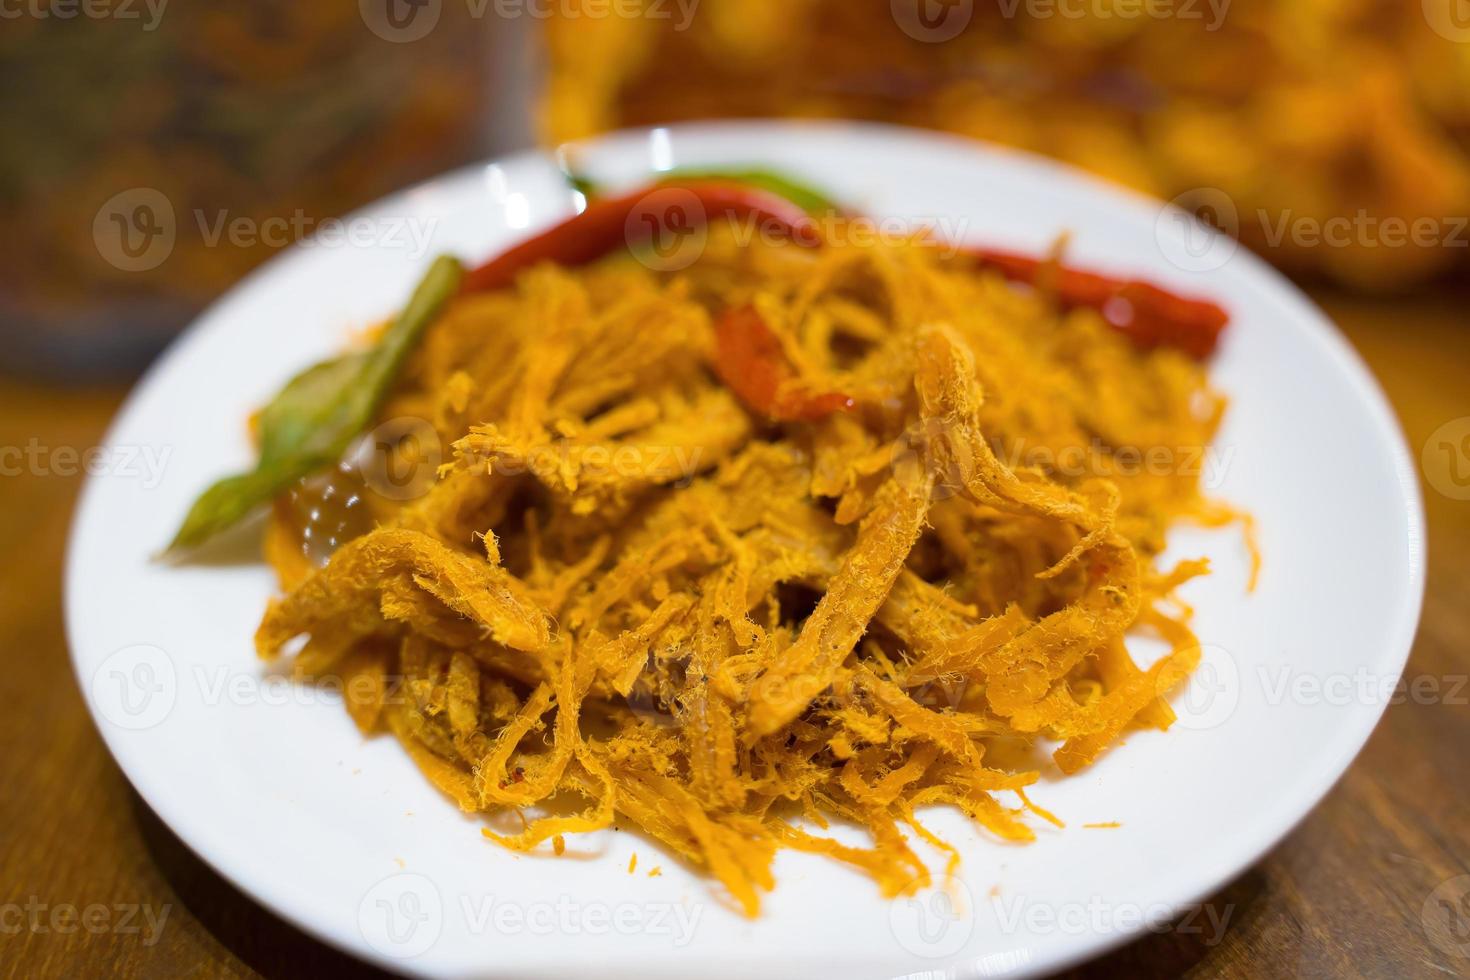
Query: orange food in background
x=1331, y=136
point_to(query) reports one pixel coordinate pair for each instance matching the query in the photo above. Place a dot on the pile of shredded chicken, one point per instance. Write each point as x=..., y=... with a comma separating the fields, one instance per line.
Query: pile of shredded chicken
x=747, y=630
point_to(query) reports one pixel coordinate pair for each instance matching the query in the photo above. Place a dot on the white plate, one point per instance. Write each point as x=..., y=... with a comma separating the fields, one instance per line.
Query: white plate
x=273, y=786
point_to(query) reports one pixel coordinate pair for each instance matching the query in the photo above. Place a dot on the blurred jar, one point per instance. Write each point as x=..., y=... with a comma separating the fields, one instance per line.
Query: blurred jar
x=152, y=153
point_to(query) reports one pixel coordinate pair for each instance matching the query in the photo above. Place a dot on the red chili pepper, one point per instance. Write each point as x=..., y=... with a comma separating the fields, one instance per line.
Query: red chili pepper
x=611, y=223
x=751, y=363
x=1149, y=315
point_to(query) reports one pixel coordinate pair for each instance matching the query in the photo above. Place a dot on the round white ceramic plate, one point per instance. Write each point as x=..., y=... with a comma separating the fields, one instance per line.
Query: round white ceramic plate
x=273, y=786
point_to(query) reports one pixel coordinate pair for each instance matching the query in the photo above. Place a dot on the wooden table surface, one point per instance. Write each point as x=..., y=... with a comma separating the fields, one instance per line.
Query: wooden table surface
x=1345, y=895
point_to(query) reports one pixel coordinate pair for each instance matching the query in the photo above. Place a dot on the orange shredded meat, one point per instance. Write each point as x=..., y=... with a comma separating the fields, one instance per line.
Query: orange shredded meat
x=629, y=597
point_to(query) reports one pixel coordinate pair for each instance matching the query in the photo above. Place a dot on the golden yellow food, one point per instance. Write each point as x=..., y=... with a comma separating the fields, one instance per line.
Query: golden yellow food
x=1329, y=135
x=628, y=597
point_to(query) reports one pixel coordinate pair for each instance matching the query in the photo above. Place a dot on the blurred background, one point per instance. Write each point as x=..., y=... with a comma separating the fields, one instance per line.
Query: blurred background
x=153, y=153
x=1333, y=136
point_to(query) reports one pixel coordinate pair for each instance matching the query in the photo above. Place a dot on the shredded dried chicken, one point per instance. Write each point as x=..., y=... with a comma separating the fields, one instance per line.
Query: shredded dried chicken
x=629, y=597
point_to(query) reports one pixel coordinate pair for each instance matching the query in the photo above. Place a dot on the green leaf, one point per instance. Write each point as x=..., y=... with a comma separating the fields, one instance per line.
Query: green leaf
x=315, y=417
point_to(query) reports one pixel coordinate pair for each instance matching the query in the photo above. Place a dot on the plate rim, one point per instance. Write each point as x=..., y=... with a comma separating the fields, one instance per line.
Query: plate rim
x=1332, y=343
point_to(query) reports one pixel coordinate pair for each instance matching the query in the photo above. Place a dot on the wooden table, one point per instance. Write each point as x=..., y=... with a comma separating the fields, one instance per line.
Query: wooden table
x=1343, y=896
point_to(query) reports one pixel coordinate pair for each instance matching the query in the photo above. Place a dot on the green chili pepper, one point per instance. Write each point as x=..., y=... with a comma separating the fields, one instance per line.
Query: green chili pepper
x=315, y=417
